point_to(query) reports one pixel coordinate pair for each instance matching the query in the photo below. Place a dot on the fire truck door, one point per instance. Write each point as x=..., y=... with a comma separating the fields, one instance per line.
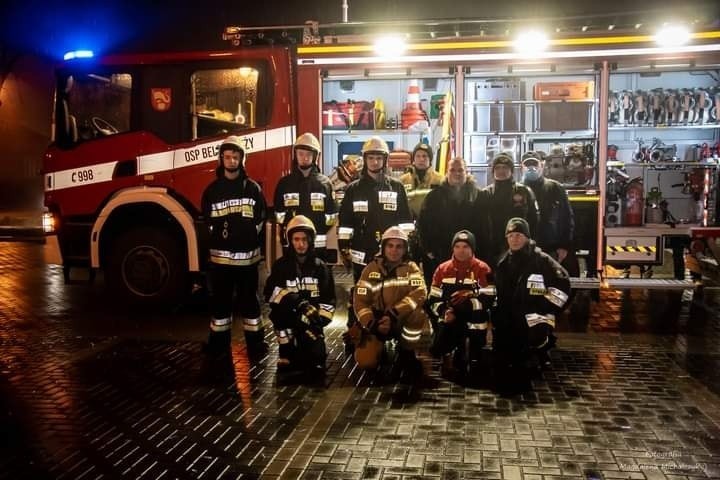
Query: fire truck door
x=164, y=98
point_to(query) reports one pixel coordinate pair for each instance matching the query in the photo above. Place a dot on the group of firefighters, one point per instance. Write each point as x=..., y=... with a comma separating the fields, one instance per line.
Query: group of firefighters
x=405, y=279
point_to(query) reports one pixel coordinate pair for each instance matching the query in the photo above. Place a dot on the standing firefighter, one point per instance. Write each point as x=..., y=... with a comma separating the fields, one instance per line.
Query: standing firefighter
x=388, y=302
x=458, y=308
x=420, y=177
x=301, y=294
x=532, y=288
x=371, y=204
x=234, y=209
x=305, y=191
x=506, y=199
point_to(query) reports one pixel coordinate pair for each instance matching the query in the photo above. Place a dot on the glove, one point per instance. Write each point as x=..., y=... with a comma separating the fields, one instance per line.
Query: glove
x=460, y=297
x=383, y=325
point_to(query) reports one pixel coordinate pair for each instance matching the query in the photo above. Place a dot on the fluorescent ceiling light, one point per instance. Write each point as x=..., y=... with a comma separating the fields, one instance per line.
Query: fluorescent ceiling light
x=672, y=36
x=531, y=42
x=391, y=46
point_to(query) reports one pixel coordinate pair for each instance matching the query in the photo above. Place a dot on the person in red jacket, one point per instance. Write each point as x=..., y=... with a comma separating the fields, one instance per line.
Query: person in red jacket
x=458, y=307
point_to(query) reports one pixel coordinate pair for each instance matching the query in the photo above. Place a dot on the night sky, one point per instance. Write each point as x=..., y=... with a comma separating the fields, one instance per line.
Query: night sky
x=53, y=27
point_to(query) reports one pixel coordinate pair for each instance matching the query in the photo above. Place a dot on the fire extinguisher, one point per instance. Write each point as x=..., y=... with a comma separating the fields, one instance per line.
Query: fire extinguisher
x=634, y=203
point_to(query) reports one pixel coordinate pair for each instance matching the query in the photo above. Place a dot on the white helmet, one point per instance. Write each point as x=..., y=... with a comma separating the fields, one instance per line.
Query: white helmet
x=375, y=144
x=300, y=223
x=308, y=141
x=232, y=142
x=396, y=233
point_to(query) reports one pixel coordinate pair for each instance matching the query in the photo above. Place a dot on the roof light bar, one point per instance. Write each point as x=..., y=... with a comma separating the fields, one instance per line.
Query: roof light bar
x=78, y=54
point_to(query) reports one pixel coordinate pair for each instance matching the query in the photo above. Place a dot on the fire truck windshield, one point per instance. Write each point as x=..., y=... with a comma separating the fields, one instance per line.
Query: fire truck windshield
x=92, y=105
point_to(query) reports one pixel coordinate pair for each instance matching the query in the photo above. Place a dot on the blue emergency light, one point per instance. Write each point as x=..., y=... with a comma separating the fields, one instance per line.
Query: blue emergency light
x=78, y=54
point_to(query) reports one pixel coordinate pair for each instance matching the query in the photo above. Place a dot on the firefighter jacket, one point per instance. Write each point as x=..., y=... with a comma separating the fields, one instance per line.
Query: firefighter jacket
x=293, y=284
x=556, y=227
x=399, y=293
x=532, y=288
x=502, y=201
x=368, y=209
x=418, y=189
x=234, y=211
x=446, y=211
x=311, y=196
x=457, y=285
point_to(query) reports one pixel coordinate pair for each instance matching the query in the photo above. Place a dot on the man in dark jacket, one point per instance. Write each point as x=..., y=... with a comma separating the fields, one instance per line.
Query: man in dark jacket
x=301, y=294
x=556, y=227
x=532, y=289
x=371, y=205
x=305, y=191
x=234, y=210
x=447, y=209
x=505, y=199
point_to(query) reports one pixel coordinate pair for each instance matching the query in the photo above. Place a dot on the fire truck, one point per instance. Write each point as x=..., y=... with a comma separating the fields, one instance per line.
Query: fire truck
x=628, y=118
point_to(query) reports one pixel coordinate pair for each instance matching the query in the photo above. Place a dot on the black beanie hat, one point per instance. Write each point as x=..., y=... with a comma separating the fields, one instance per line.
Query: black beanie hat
x=424, y=147
x=505, y=159
x=464, y=236
x=519, y=225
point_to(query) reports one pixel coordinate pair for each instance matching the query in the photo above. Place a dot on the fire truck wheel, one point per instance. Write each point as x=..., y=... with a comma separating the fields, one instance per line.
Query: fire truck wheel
x=147, y=266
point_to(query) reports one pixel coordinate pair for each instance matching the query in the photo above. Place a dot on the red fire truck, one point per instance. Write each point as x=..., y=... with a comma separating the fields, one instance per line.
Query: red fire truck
x=136, y=135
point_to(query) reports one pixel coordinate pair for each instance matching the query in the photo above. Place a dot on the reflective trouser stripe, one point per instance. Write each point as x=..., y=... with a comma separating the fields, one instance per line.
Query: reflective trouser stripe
x=251, y=324
x=477, y=326
x=220, y=324
x=411, y=335
x=283, y=336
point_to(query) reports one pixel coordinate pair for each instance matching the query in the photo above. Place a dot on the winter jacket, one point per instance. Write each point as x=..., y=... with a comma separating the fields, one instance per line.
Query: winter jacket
x=556, y=227
x=503, y=201
x=444, y=213
x=368, y=209
x=532, y=288
x=234, y=211
x=399, y=293
x=292, y=284
x=311, y=196
x=453, y=276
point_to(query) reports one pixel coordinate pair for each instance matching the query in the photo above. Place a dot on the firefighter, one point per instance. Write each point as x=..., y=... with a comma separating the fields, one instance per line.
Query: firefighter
x=458, y=309
x=301, y=294
x=388, y=300
x=556, y=227
x=371, y=204
x=503, y=200
x=447, y=209
x=343, y=175
x=234, y=208
x=420, y=177
x=532, y=289
x=305, y=191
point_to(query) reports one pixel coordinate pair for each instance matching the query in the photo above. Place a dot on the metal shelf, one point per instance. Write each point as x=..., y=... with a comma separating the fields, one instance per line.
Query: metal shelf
x=385, y=131
x=706, y=126
x=662, y=164
x=526, y=102
x=559, y=134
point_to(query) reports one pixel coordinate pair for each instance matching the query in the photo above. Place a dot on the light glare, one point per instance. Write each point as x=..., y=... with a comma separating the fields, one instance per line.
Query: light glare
x=531, y=42
x=672, y=36
x=390, y=46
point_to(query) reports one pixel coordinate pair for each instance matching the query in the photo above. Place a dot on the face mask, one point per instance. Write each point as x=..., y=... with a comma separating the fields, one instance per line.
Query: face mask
x=531, y=175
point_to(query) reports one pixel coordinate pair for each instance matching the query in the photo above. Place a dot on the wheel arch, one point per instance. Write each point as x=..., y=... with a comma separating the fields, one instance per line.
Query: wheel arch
x=143, y=206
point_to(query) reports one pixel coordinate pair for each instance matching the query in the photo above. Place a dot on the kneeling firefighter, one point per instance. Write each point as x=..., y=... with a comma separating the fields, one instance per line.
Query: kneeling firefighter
x=388, y=300
x=301, y=294
x=458, y=305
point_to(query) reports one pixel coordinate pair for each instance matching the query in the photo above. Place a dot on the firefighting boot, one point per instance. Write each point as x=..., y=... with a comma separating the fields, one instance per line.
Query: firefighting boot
x=218, y=344
x=255, y=343
x=287, y=360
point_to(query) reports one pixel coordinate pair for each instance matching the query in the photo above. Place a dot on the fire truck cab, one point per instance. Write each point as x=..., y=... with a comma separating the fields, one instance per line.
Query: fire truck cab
x=135, y=144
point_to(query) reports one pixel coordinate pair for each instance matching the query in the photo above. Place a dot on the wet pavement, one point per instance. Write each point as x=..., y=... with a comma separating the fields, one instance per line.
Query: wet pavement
x=90, y=389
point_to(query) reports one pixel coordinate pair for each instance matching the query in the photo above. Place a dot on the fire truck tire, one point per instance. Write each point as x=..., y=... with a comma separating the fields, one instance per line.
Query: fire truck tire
x=147, y=266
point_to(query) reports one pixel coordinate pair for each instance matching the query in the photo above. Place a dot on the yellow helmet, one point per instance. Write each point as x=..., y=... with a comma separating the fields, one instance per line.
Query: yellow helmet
x=308, y=141
x=300, y=222
x=375, y=144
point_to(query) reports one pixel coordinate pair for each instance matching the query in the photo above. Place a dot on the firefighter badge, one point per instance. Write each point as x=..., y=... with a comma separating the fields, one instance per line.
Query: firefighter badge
x=161, y=99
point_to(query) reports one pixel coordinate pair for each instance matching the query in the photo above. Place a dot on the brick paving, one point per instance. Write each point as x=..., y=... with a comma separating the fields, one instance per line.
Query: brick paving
x=90, y=390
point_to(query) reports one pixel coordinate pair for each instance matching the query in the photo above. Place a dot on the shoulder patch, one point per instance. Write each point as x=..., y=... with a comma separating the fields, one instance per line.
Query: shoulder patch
x=374, y=275
x=416, y=282
x=362, y=291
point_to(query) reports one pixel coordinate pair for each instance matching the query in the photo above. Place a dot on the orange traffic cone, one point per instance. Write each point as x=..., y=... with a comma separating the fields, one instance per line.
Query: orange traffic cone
x=412, y=113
